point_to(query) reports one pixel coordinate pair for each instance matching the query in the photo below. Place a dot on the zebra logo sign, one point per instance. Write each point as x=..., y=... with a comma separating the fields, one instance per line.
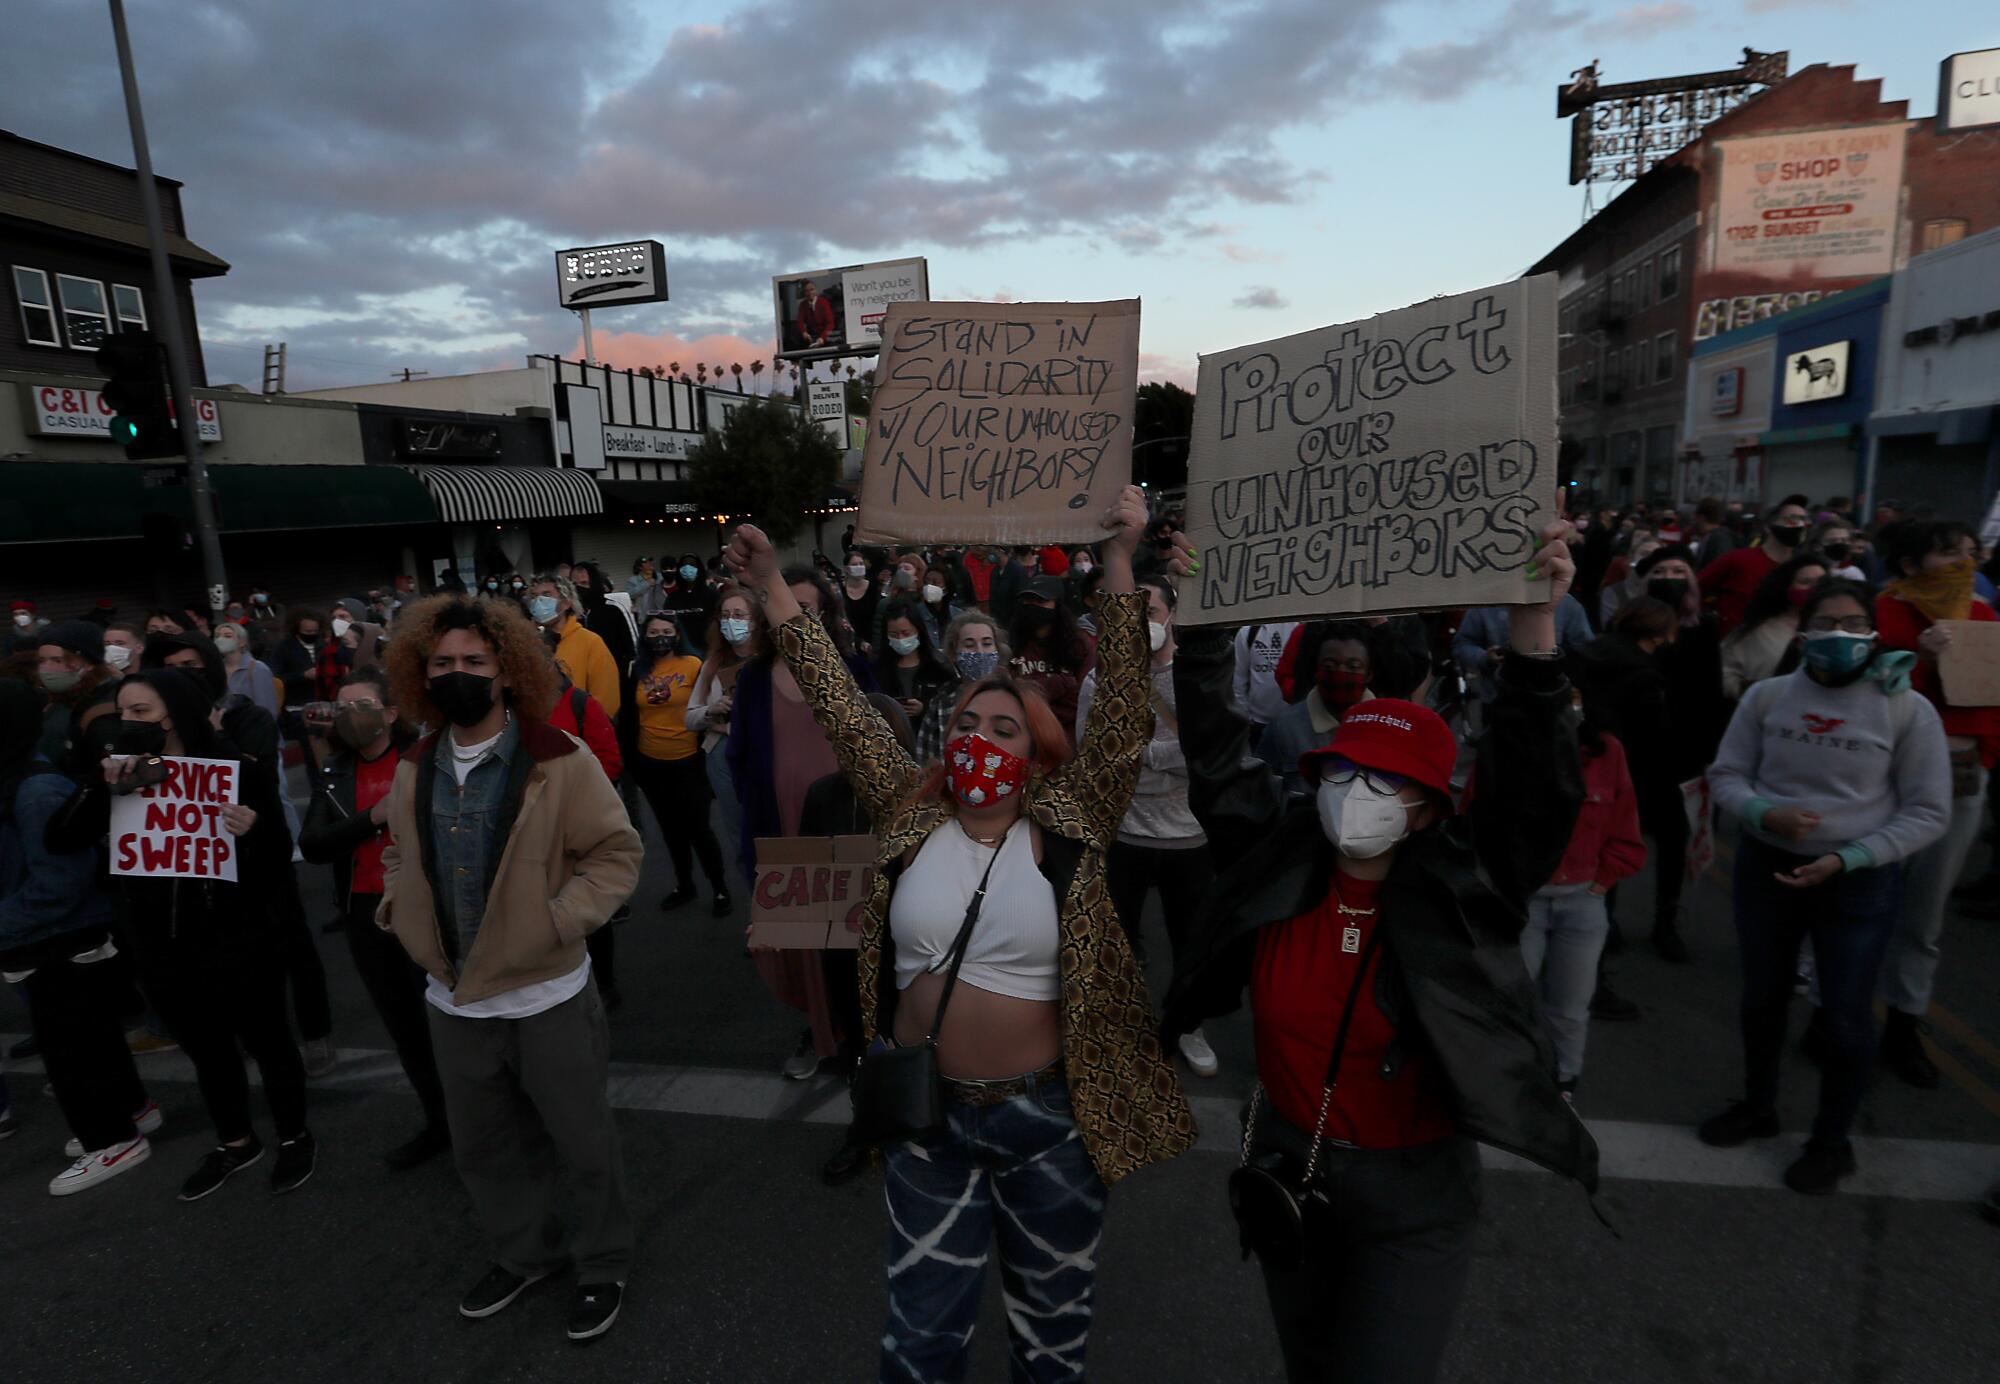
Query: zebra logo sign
x=1817, y=374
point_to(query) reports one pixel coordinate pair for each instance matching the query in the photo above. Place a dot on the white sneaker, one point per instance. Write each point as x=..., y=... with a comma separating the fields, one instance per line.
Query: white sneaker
x=1200, y=1056
x=147, y=1117
x=93, y=1168
x=319, y=1056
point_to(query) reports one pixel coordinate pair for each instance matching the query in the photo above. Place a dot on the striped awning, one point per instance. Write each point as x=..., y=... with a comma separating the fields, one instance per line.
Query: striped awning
x=484, y=494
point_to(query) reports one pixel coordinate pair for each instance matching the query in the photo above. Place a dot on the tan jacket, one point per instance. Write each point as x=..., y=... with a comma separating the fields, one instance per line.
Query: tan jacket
x=571, y=858
x=1129, y=1105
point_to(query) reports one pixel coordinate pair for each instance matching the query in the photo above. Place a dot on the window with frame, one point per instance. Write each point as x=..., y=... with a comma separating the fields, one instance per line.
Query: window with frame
x=86, y=316
x=1948, y=230
x=38, y=309
x=1642, y=370
x=130, y=305
x=1670, y=273
x=1646, y=283
x=1665, y=357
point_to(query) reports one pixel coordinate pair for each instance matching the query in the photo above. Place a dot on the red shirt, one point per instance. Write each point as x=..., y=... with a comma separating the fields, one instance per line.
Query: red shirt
x=1899, y=624
x=815, y=318
x=372, y=781
x=1299, y=985
x=1728, y=583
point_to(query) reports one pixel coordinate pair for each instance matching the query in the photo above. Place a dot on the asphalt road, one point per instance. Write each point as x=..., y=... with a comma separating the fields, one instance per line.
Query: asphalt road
x=750, y=1270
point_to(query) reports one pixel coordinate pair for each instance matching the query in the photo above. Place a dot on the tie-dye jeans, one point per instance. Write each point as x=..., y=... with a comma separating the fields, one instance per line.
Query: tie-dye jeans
x=1017, y=1173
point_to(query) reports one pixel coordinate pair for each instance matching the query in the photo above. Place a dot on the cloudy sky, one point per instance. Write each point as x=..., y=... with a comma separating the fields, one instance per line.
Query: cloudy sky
x=389, y=179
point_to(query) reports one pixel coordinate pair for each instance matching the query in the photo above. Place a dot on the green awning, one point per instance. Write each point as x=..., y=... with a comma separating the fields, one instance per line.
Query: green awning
x=55, y=501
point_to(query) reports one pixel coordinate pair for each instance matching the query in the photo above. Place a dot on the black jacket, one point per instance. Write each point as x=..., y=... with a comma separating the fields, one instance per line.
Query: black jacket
x=333, y=831
x=1452, y=908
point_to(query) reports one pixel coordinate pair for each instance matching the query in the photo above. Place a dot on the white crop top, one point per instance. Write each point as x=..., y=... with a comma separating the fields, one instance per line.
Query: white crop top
x=1014, y=944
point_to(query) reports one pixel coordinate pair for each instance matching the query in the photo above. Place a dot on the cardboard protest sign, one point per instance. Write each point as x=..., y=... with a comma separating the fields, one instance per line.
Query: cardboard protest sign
x=1970, y=664
x=999, y=422
x=810, y=891
x=174, y=827
x=1406, y=462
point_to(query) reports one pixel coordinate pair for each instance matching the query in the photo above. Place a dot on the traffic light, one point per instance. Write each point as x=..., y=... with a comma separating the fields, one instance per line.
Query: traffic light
x=135, y=390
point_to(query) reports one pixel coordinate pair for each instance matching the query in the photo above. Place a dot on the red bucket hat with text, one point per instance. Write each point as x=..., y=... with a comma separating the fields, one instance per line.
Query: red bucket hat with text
x=1395, y=737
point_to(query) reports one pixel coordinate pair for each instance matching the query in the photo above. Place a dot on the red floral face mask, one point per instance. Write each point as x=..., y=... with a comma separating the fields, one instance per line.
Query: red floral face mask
x=980, y=773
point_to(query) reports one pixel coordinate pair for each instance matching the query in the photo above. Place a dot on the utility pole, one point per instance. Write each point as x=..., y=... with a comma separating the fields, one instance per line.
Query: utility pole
x=168, y=310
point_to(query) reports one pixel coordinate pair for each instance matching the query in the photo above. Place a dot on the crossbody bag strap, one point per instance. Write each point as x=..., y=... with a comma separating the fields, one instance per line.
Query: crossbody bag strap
x=959, y=944
x=1340, y=1049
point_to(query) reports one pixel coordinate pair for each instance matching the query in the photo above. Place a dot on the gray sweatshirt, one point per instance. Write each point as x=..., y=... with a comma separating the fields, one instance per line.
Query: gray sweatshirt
x=1159, y=815
x=1873, y=765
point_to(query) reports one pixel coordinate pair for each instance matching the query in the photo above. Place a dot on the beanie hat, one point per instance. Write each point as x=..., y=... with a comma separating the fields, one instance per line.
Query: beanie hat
x=28, y=606
x=78, y=636
x=1394, y=737
x=1669, y=553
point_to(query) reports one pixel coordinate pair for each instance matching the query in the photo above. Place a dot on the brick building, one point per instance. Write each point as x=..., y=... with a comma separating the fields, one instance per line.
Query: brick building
x=1680, y=255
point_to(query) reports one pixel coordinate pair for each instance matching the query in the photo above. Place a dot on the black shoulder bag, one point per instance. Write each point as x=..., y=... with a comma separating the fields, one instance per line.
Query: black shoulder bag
x=898, y=1091
x=1278, y=1205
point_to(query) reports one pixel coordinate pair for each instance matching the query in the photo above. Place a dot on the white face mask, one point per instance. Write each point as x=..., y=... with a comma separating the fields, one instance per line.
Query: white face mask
x=23, y=619
x=118, y=656
x=1361, y=821
x=856, y=570
x=1156, y=634
x=341, y=627
x=933, y=594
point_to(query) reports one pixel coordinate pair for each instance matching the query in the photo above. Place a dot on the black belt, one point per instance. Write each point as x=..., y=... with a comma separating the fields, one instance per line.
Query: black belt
x=974, y=1092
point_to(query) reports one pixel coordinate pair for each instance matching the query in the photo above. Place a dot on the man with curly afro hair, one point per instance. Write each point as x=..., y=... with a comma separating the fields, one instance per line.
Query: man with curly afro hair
x=509, y=846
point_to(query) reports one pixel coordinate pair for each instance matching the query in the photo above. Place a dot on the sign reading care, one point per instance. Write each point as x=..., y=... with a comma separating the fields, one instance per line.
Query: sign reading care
x=174, y=828
x=56, y=410
x=1000, y=422
x=811, y=891
x=1402, y=463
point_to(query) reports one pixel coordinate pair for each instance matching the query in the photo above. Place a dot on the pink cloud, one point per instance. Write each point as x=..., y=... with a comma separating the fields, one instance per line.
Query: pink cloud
x=630, y=350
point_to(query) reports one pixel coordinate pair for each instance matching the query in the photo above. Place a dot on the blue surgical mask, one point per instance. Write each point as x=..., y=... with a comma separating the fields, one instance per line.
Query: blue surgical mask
x=975, y=665
x=1837, y=654
x=907, y=644
x=542, y=609
x=737, y=632
x=689, y=571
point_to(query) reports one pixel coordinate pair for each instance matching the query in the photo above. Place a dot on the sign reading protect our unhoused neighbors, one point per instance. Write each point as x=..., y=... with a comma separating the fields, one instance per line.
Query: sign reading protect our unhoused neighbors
x=174, y=827
x=1405, y=462
x=999, y=422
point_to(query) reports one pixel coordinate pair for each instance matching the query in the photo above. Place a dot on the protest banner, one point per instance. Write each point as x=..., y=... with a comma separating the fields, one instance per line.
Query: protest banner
x=174, y=828
x=999, y=422
x=1970, y=664
x=810, y=891
x=1406, y=462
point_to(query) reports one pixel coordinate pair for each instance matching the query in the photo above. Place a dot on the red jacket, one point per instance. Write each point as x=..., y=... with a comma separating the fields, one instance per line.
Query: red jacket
x=596, y=732
x=1605, y=845
x=1728, y=583
x=815, y=318
x=1899, y=624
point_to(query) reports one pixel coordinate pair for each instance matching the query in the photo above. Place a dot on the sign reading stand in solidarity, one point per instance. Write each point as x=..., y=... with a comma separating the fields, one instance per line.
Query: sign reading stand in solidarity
x=1406, y=462
x=999, y=422
x=174, y=827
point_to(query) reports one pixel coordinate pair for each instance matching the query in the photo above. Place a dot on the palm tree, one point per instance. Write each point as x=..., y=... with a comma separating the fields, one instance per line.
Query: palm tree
x=675, y=370
x=736, y=369
x=700, y=373
x=756, y=371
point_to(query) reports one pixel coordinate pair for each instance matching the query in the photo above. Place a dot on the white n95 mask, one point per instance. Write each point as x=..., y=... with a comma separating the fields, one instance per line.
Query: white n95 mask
x=1361, y=820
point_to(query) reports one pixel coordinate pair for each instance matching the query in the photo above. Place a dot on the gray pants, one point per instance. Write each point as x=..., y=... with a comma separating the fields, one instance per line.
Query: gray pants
x=1564, y=937
x=525, y=1097
x=1910, y=969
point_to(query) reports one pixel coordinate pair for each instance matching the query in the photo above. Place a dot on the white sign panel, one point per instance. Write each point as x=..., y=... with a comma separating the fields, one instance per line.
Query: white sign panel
x=649, y=444
x=1819, y=204
x=1820, y=373
x=586, y=428
x=602, y=276
x=173, y=828
x=826, y=405
x=869, y=290
x=56, y=410
x=1969, y=90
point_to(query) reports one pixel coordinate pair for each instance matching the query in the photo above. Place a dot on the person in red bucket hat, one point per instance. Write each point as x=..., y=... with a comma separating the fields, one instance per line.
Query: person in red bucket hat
x=1376, y=930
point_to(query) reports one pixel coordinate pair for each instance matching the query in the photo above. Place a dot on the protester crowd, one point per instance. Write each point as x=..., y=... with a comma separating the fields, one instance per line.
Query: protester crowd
x=1410, y=842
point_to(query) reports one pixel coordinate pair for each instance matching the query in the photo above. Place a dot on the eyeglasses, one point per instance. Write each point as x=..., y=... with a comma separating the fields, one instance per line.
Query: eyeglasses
x=1847, y=624
x=1341, y=770
x=358, y=704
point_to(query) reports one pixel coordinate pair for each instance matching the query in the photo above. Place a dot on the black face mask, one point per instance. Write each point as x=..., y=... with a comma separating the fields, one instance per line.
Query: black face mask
x=1791, y=535
x=464, y=698
x=659, y=646
x=1672, y=590
x=139, y=737
x=1838, y=552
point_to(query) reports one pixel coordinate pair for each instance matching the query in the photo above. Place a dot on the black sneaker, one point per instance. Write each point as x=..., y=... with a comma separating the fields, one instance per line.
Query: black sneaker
x=724, y=905
x=495, y=1291
x=680, y=897
x=1608, y=1004
x=218, y=1166
x=430, y=1141
x=296, y=1160
x=1739, y=1124
x=592, y=1309
x=1818, y=1170
x=849, y=1161
x=1904, y=1052
x=1815, y=1043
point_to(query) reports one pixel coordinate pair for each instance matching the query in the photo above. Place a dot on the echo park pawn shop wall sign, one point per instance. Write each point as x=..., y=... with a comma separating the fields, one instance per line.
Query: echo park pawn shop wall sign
x=1406, y=462
x=599, y=276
